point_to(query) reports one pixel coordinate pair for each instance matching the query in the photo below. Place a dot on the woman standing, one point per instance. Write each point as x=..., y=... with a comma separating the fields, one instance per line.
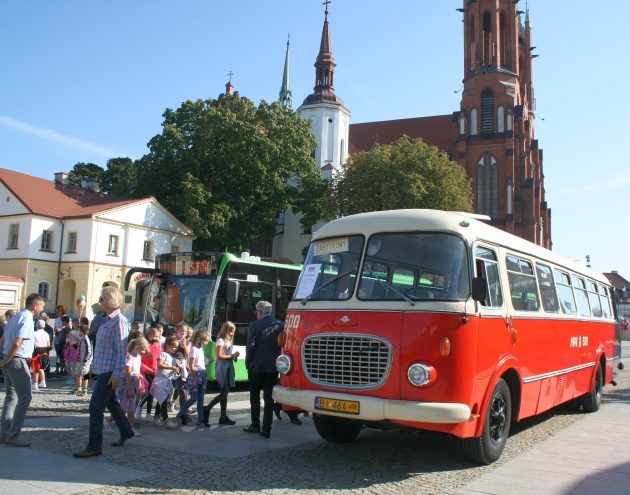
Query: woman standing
x=224, y=371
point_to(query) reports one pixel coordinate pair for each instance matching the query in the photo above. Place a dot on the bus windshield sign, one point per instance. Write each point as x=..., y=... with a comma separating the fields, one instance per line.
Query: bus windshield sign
x=186, y=264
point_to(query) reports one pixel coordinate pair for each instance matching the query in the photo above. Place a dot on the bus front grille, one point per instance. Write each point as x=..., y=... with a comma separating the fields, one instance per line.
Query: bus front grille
x=346, y=361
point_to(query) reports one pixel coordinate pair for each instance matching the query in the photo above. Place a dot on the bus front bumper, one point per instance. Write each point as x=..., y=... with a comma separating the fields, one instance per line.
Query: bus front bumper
x=371, y=408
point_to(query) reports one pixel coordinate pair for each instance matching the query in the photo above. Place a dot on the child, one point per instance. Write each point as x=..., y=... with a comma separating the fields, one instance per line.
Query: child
x=85, y=359
x=149, y=369
x=162, y=385
x=182, y=358
x=197, y=380
x=71, y=356
x=40, y=356
x=225, y=372
x=127, y=390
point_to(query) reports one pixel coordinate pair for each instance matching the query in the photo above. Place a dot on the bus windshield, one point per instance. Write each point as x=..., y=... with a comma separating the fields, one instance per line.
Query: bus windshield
x=175, y=299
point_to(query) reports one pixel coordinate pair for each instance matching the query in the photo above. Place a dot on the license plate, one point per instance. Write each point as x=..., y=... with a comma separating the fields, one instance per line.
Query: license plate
x=337, y=405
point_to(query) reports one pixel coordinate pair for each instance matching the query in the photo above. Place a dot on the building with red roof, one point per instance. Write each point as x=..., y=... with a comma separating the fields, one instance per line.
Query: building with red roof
x=65, y=242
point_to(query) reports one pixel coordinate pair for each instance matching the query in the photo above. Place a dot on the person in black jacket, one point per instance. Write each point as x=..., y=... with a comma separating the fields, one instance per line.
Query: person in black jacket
x=260, y=360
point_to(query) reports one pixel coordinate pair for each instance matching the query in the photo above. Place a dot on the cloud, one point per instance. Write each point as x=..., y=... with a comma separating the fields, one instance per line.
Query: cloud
x=59, y=138
x=603, y=185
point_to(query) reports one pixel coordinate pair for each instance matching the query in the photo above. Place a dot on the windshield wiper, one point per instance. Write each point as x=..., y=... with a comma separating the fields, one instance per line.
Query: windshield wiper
x=332, y=280
x=397, y=292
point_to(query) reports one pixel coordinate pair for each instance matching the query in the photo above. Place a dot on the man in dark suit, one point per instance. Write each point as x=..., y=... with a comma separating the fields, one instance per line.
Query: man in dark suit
x=262, y=351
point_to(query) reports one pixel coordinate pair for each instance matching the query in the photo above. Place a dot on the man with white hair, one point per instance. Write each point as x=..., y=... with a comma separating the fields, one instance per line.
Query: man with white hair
x=262, y=351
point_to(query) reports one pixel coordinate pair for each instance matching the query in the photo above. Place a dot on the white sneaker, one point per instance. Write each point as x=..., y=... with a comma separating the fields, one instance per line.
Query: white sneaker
x=158, y=421
x=108, y=427
x=34, y=387
x=42, y=385
x=136, y=432
x=170, y=425
x=172, y=408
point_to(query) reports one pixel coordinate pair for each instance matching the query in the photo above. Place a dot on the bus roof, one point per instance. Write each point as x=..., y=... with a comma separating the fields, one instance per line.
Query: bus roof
x=465, y=224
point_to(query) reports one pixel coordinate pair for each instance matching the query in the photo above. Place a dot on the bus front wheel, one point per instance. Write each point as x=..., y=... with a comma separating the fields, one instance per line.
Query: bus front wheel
x=334, y=430
x=496, y=426
x=591, y=401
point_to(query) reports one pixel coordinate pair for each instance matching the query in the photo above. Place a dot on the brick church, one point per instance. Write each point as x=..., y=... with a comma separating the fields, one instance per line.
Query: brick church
x=492, y=135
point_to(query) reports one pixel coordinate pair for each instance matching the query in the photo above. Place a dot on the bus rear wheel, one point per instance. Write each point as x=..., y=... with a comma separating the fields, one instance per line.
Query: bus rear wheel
x=496, y=426
x=591, y=401
x=335, y=430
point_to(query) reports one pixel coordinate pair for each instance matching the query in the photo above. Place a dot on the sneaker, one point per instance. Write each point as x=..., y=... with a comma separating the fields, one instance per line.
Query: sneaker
x=158, y=421
x=108, y=427
x=170, y=425
x=172, y=408
x=74, y=391
x=80, y=392
x=34, y=387
x=136, y=433
x=42, y=385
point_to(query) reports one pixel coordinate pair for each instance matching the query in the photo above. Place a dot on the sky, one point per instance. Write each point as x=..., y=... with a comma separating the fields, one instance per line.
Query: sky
x=88, y=80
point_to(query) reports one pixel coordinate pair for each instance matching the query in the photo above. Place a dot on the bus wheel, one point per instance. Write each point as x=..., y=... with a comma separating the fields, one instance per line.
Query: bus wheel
x=336, y=431
x=496, y=426
x=591, y=401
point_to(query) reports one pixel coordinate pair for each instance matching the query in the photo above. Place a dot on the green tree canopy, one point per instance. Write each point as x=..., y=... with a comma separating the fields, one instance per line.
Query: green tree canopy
x=83, y=173
x=120, y=178
x=405, y=174
x=227, y=168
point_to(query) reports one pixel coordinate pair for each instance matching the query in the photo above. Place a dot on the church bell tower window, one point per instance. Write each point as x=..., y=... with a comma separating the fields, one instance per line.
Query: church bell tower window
x=487, y=112
x=487, y=186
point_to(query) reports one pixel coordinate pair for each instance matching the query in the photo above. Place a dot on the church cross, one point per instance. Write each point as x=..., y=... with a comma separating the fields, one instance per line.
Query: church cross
x=230, y=74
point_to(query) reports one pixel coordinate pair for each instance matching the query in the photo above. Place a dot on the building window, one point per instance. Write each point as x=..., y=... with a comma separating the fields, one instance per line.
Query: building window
x=487, y=112
x=43, y=289
x=487, y=186
x=147, y=251
x=47, y=240
x=487, y=39
x=112, y=247
x=500, y=119
x=14, y=235
x=462, y=125
x=72, y=242
x=508, y=123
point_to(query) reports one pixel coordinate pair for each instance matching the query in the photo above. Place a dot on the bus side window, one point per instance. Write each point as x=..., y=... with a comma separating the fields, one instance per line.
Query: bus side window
x=488, y=268
x=523, y=290
x=547, y=288
x=565, y=292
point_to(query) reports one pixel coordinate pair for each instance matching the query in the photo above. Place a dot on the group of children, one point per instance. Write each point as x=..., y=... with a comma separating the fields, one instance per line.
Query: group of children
x=174, y=368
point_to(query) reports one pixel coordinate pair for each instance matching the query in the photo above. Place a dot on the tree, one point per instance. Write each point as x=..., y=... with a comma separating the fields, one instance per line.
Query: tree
x=227, y=168
x=405, y=174
x=84, y=173
x=120, y=178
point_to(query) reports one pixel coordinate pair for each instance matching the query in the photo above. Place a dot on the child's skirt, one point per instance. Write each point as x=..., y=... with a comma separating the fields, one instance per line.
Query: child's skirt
x=127, y=397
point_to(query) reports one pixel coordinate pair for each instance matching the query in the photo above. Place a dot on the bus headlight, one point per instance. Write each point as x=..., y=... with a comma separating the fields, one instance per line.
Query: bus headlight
x=421, y=374
x=284, y=364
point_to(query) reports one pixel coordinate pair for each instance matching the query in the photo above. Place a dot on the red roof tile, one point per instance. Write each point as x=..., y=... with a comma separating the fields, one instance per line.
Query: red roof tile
x=7, y=278
x=53, y=199
x=617, y=280
x=436, y=130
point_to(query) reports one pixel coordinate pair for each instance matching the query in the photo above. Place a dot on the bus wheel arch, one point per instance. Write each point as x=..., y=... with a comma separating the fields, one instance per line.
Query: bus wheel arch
x=336, y=430
x=497, y=418
x=592, y=400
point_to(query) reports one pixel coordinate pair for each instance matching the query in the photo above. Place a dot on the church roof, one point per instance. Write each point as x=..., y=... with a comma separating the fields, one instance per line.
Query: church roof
x=55, y=199
x=436, y=130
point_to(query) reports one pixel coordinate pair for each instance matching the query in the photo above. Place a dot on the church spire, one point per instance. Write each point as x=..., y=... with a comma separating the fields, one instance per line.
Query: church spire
x=324, y=91
x=285, y=99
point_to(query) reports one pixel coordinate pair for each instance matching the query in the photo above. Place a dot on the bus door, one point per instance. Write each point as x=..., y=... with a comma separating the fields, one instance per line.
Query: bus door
x=495, y=329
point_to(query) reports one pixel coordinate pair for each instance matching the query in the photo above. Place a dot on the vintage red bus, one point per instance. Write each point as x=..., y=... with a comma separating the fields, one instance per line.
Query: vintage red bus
x=435, y=320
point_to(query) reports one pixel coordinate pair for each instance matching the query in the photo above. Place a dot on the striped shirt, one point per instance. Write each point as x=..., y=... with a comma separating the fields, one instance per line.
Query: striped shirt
x=110, y=349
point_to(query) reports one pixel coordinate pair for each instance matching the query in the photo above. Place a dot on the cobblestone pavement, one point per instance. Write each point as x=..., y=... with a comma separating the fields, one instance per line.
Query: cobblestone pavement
x=400, y=462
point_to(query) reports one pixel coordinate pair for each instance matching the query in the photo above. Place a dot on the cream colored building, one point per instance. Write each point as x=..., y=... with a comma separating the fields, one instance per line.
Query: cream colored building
x=64, y=242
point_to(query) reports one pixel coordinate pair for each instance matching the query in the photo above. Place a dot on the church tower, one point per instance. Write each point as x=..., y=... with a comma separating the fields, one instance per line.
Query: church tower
x=330, y=119
x=495, y=137
x=285, y=98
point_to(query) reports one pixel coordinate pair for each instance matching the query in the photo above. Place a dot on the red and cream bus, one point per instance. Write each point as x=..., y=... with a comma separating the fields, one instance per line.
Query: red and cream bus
x=435, y=320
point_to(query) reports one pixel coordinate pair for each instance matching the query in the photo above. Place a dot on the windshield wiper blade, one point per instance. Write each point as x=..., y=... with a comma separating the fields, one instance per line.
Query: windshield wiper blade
x=326, y=284
x=397, y=292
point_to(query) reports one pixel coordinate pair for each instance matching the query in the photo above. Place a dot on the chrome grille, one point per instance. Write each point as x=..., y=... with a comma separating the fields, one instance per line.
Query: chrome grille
x=349, y=361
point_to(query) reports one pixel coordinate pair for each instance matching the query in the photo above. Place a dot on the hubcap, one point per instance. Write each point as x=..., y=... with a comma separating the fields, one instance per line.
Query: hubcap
x=497, y=419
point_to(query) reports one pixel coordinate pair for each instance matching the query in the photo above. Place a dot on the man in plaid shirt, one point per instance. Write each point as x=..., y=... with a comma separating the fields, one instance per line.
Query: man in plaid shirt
x=110, y=352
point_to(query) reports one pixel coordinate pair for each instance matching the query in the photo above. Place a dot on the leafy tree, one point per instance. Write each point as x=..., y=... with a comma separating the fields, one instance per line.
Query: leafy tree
x=404, y=174
x=120, y=178
x=227, y=168
x=82, y=173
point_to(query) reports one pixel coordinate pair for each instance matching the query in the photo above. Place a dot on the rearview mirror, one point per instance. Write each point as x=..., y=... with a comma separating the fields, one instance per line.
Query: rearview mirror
x=479, y=289
x=231, y=295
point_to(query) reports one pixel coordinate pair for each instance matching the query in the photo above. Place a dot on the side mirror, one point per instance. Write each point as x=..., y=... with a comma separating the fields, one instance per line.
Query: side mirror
x=231, y=295
x=479, y=289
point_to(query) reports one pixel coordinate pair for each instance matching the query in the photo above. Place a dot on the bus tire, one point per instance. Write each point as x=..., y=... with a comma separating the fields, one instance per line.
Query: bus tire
x=591, y=400
x=335, y=430
x=496, y=427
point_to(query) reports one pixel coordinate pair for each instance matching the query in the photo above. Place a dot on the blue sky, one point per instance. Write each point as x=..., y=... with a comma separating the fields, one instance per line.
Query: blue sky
x=87, y=80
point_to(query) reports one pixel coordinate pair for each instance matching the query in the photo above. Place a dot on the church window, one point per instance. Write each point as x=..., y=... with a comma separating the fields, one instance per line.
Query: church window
x=502, y=41
x=342, y=152
x=473, y=122
x=462, y=125
x=509, y=191
x=500, y=120
x=487, y=186
x=487, y=112
x=509, y=120
x=487, y=39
